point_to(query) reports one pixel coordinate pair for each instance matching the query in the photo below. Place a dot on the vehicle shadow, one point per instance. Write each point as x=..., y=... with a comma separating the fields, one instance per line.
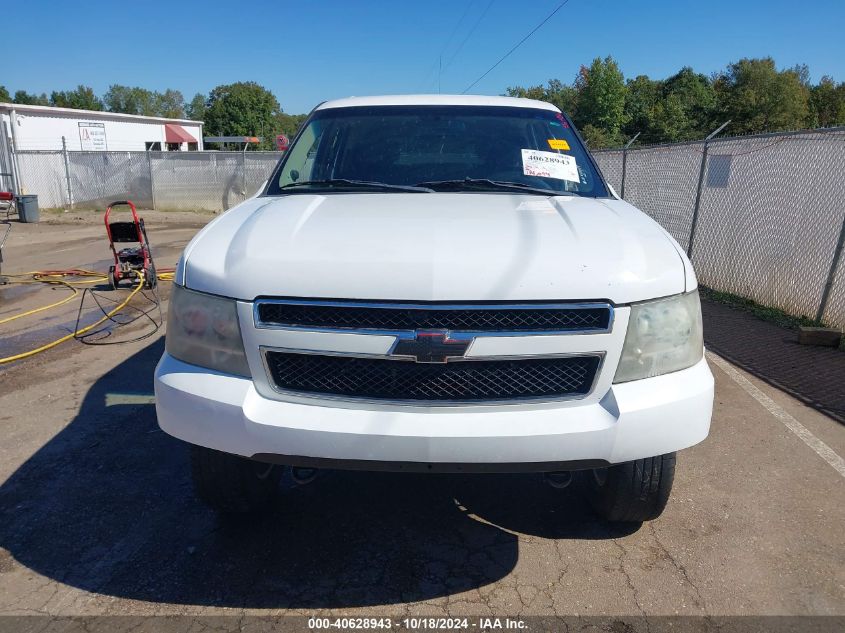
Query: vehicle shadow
x=107, y=506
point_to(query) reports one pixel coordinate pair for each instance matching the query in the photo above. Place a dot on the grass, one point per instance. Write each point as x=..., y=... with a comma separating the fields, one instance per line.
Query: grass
x=765, y=313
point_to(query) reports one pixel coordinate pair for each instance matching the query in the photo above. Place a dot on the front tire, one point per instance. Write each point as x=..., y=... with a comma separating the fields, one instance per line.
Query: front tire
x=231, y=484
x=633, y=492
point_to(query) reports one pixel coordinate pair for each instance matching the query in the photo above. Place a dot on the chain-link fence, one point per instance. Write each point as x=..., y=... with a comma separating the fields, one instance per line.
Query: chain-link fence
x=770, y=213
x=764, y=213
x=212, y=181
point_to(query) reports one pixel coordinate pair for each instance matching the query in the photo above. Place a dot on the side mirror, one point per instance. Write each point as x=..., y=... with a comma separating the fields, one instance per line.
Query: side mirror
x=294, y=175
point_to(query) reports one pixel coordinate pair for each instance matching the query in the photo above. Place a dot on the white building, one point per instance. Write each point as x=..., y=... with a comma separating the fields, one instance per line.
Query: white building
x=31, y=127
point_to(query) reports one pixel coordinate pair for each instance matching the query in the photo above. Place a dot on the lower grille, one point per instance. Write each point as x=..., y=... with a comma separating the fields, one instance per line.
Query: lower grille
x=461, y=381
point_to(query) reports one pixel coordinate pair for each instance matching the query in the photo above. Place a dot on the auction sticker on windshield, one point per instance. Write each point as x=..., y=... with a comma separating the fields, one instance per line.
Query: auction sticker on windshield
x=549, y=165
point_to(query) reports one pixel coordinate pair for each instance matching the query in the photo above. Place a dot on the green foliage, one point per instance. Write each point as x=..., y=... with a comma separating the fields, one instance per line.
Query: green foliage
x=680, y=108
x=601, y=98
x=759, y=98
x=239, y=109
x=753, y=93
x=696, y=98
x=195, y=110
x=597, y=138
x=242, y=109
x=555, y=92
x=288, y=124
x=641, y=99
x=827, y=103
x=774, y=315
x=170, y=104
x=24, y=98
x=137, y=100
x=83, y=98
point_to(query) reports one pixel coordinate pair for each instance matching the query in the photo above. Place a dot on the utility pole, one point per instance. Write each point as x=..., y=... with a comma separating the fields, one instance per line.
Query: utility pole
x=439, y=71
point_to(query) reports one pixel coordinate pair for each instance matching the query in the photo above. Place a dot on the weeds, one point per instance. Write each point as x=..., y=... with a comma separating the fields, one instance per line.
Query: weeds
x=773, y=315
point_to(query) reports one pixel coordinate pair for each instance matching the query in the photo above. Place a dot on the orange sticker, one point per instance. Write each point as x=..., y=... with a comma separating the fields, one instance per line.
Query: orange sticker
x=558, y=143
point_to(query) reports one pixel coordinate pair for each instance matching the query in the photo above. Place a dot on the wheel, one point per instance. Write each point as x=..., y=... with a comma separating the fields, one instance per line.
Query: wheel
x=231, y=484
x=150, y=279
x=115, y=282
x=634, y=491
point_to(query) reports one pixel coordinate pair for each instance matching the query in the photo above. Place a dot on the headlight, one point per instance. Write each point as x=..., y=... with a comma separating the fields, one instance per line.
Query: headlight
x=663, y=336
x=203, y=330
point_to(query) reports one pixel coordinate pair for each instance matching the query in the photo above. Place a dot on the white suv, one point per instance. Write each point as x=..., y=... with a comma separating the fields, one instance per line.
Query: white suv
x=438, y=284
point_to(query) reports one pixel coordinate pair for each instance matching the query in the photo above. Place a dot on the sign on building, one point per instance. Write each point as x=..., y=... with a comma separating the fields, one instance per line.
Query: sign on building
x=92, y=136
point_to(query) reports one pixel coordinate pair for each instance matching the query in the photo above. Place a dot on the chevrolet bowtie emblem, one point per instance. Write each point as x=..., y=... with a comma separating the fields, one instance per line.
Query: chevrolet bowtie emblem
x=430, y=346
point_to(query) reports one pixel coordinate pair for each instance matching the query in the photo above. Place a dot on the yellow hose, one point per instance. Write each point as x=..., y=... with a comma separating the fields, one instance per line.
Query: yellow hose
x=57, y=278
x=42, y=308
x=83, y=330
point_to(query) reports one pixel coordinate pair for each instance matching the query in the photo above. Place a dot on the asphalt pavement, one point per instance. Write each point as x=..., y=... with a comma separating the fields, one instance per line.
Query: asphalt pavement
x=97, y=515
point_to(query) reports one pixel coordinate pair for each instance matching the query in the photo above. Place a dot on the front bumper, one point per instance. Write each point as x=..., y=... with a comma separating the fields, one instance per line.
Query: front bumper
x=633, y=420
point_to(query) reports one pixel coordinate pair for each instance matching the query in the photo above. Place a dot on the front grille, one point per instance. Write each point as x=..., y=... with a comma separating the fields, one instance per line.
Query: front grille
x=461, y=381
x=539, y=318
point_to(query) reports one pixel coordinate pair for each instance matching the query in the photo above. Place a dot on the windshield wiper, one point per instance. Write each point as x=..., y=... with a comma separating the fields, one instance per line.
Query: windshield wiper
x=482, y=184
x=364, y=184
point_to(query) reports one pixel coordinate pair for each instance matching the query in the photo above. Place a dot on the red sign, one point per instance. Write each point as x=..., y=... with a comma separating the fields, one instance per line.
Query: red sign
x=282, y=142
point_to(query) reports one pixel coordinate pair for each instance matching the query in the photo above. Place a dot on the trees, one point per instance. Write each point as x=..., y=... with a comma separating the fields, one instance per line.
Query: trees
x=129, y=100
x=242, y=109
x=641, y=98
x=759, y=98
x=601, y=98
x=555, y=92
x=693, y=94
x=680, y=108
x=827, y=103
x=170, y=104
x=288, y=124
x=83, y=98
x=137, y=100
x=24, y=98
x=238, y=109
x=196, y=108
x=753, y=93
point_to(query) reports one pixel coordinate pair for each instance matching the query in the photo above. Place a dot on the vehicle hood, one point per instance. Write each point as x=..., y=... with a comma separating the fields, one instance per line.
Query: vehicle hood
x=435, y=247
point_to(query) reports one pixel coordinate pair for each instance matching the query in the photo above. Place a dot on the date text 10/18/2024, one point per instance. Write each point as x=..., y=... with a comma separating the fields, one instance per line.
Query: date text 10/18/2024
x=416, y=624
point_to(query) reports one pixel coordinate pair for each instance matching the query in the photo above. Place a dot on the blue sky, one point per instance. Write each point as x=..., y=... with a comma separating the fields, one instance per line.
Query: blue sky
x=308, y=51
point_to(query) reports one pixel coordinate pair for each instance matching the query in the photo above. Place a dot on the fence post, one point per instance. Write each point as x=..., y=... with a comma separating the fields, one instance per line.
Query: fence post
x=625, y=163
x=243, y=170
x=152, y=184
x=67, y=173
x=694, y=223
x=828, y=286
x=11, y=155
x=16, y=167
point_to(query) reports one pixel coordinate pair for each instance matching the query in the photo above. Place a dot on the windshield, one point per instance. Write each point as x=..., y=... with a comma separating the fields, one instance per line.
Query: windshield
x=437, y=148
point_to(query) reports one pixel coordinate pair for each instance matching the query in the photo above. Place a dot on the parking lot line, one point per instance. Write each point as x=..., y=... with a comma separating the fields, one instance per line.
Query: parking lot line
x=822, y=450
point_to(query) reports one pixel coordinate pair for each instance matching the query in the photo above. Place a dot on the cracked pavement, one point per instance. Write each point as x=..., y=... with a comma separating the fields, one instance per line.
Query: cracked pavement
x=97, y=515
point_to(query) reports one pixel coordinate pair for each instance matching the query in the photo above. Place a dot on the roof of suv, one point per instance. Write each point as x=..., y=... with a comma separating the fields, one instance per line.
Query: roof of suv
x=457, y=100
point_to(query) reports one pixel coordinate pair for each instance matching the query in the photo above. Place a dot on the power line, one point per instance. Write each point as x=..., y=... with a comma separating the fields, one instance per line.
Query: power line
x=518, y=44
x=449, y=41
x=438, y=64
x=469, y=35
